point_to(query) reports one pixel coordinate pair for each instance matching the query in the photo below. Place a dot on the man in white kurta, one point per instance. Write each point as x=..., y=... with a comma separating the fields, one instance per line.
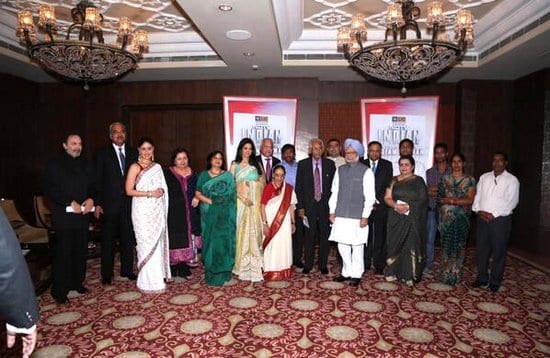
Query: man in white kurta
x=350, y=204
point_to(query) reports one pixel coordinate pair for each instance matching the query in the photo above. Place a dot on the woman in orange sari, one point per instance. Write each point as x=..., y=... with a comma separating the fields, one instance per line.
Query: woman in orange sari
x=278, y=223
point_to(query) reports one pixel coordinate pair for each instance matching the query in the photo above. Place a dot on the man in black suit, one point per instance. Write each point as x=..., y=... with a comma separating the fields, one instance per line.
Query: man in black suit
x=375, y=250
x=111, y=165
x=17, y=300
x=313, y=189
x=266, y=158
x=68, y=184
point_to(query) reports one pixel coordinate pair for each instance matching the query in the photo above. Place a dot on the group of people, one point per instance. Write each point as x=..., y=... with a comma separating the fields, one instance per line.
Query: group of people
x=264, y=215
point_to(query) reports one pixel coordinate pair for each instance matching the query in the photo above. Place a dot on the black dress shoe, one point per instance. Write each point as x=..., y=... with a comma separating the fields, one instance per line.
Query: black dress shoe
x=131, y=277
x=378, y=272
x=340, y=278
x=493, y=288
x=299, y=264
x=81, y=289
x=306, y=271
x=354, y=282
x=61, y=300
x=106, y=281
x=478, y=283
x=324, y=270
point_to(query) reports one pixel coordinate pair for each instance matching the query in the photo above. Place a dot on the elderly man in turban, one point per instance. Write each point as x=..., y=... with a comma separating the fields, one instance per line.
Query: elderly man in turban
x=350, y=204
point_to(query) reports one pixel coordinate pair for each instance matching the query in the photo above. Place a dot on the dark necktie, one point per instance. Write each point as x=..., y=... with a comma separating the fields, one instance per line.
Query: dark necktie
x=317, y=183
x=122, y=159
x=268, y=170
x=373, y=167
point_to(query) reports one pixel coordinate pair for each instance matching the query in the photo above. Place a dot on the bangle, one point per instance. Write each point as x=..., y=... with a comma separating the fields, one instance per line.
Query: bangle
x=148, y=194
x=265, y=223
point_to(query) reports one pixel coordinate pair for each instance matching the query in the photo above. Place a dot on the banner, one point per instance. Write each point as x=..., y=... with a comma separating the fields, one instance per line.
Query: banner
x=389, y=120
x=258, y=118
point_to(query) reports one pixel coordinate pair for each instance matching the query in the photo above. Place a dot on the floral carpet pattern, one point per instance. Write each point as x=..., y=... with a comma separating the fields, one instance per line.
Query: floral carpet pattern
x=306, y=316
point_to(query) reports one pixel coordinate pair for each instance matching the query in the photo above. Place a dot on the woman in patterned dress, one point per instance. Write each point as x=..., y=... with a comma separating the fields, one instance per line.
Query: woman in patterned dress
x=456, y=194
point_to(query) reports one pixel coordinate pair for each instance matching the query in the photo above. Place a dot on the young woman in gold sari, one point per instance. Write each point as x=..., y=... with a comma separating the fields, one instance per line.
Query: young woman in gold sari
x=250, y=184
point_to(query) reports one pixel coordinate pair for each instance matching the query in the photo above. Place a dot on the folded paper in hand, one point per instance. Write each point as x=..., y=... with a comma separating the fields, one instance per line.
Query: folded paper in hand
x=402, y=202
x=305, y=221
x=69, y=209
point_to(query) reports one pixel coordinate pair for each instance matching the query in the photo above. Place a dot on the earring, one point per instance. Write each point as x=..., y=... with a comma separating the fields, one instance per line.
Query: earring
x=152, y=157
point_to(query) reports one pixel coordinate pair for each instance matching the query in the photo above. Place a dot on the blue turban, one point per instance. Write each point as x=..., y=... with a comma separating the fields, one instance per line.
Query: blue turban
x=356, y=145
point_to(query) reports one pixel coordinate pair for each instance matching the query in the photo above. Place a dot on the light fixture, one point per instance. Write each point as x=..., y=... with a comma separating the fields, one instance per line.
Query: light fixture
x=401, y=60
x=225, y=7
x=81, y=59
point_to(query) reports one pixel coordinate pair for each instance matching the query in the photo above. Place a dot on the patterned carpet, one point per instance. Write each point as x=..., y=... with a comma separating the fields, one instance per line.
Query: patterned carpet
x=307, y=316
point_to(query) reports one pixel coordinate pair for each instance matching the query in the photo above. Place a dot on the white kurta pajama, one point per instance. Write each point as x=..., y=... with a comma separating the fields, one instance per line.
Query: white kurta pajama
x=350, y=237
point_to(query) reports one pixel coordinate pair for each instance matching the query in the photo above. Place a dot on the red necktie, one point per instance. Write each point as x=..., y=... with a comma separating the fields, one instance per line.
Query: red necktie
x=317, y=182
x=268, y=170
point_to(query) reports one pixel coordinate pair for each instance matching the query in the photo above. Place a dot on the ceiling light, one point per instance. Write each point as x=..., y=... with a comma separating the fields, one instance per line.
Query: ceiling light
x=238, y=35
x=401, y=60
x=81, y=59
x=225, y=7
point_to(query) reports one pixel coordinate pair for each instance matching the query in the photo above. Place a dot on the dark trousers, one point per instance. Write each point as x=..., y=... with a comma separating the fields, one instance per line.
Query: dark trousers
x=113, y=227
x=318, y=223
x=298, y=242
x=69, y=262
x=492, y=238
x=375, y=250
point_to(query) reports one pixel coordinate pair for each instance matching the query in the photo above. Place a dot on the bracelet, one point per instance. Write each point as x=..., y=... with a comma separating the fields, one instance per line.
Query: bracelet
x=148, y=194
x=265, y=223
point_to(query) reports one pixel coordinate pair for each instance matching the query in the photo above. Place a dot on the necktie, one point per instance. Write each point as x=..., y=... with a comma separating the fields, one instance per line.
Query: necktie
x=122, y=159
x=268, y=170
x=373, y=166
x=317, y=182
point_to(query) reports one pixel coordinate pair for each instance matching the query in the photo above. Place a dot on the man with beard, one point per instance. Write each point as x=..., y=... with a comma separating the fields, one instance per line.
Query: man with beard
x=68, y=184
x=350, y=205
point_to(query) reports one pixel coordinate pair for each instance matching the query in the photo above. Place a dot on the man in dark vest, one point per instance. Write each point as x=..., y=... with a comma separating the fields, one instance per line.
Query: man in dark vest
x=350, y=205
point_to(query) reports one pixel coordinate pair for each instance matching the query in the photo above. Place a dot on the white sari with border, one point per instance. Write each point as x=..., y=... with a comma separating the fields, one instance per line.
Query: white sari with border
x=149, y=217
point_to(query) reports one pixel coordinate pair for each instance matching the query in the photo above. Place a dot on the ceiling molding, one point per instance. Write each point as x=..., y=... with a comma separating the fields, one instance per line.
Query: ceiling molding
x=289, y=16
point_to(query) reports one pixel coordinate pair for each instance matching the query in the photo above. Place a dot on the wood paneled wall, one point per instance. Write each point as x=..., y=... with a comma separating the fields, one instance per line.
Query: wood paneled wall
x=480, y=115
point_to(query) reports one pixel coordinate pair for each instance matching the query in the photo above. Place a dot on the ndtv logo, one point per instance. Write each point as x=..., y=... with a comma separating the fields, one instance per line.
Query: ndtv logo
x=399, y=119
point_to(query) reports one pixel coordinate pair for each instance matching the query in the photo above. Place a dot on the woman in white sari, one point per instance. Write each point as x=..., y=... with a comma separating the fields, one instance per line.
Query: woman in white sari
x=146, y=184
x=278, y=201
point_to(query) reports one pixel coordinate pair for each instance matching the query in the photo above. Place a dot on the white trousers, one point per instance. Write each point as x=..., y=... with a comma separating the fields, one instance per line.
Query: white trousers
x=352, y=258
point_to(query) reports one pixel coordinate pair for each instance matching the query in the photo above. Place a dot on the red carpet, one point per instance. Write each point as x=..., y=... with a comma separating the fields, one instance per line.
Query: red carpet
x=303, y=317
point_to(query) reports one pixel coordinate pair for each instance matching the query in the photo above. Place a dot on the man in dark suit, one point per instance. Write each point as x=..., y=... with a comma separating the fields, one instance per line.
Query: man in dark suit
x=313, y=189
x=69, y=184
x=266, y=158
x=375, y=250
x=17, y=300
x=111, y=165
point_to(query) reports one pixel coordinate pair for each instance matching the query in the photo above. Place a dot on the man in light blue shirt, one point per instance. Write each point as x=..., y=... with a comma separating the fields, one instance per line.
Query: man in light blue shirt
x=289, y=163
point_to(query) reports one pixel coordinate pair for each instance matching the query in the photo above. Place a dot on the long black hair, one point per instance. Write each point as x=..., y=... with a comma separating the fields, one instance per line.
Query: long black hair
x=252, y=160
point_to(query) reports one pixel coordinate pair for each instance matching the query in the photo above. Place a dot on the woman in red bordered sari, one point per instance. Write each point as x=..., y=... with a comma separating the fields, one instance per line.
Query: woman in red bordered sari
x=146, y=185
x=278, y=201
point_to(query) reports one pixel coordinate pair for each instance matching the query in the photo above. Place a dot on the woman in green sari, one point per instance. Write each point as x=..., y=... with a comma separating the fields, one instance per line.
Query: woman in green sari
x=217, y=194
x=455, y=195
x=406, y=239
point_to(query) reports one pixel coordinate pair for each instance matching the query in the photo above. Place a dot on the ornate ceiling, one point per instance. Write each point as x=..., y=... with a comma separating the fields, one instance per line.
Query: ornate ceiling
x=288, y=38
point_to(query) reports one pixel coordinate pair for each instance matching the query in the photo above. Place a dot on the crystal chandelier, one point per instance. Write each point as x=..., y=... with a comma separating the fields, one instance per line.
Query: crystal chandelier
x=83, y=59
x=401, y=60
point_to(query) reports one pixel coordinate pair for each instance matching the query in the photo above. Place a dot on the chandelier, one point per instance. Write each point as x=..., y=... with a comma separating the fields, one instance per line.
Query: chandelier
x=83, y=59
x=401, y=60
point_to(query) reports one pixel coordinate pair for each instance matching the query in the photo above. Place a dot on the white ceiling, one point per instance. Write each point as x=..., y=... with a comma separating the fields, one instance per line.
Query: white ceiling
x=288, y=38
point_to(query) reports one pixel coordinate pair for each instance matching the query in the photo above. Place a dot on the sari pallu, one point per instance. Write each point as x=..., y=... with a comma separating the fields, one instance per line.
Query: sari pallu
x=248, y=256
x=149, y=218
x=406, y=237
x=218, y=226
x=278, y=244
